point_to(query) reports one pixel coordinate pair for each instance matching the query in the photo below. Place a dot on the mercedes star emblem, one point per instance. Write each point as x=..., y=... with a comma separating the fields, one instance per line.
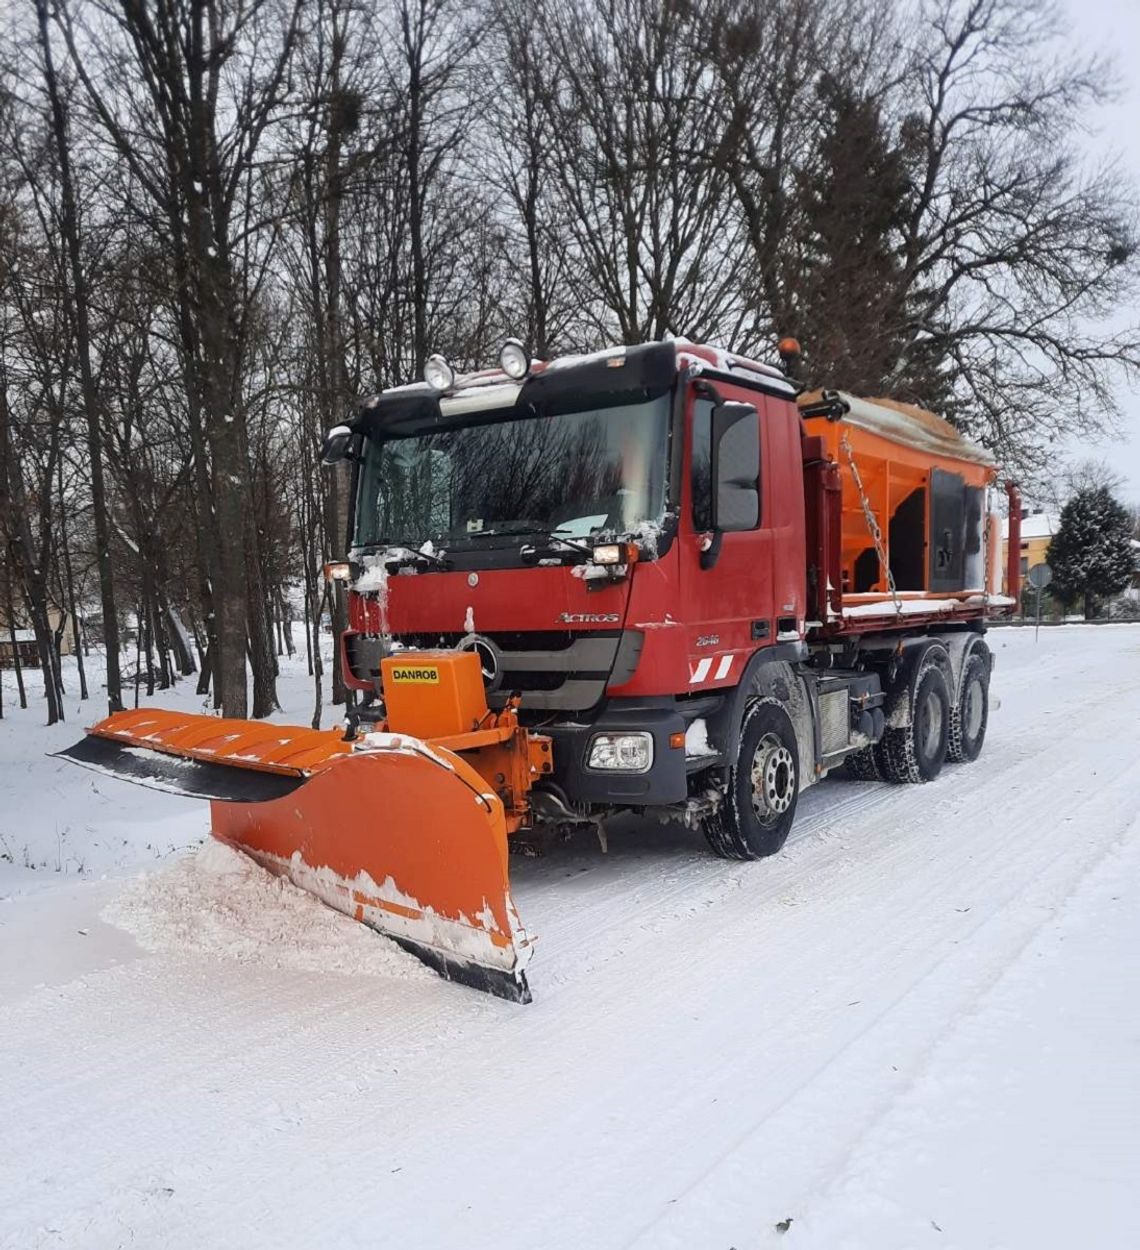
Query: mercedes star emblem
x=488, y=655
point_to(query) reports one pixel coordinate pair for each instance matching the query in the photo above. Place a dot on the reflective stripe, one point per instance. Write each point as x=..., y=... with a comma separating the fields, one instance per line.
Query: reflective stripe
x=703, y=671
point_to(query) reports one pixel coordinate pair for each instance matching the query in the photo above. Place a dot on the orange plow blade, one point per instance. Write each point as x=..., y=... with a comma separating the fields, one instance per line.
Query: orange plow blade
x=404, y=836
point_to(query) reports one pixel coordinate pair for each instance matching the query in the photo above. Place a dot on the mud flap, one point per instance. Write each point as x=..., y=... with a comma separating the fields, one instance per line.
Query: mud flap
x=401, y=835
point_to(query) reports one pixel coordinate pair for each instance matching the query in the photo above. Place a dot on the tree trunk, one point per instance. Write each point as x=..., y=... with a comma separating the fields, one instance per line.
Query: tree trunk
x=76, y=298
x=41, y=627
x=318, y=663
x=17, y=663
x=77, y=640
x=69, y=596
x=262, y=661
x=138, y=648
x=287, y=627
x=179, y=641
x=205, y=671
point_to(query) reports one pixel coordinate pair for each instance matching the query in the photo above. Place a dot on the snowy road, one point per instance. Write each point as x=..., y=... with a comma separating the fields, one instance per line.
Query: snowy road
x=918, y=1026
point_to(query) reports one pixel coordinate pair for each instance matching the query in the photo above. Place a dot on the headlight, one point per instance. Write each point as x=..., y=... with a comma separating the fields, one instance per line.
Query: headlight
x=615, y=553
x=513, y=360
x=338, y=571
x=621, y=753
x=438, y=374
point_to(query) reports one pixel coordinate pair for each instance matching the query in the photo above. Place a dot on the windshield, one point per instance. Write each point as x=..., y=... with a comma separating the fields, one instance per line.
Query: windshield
x=570, y=475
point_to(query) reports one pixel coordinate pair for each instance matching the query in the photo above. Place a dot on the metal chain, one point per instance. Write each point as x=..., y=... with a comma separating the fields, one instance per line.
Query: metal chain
x=872, y=523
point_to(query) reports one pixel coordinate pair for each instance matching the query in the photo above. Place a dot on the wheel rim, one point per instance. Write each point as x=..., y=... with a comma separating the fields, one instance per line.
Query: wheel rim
x=972, y=707
x=773, y=779
x=930, y=725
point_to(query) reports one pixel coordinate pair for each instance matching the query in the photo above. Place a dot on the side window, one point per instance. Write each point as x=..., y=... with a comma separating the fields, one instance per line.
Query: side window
x=702, y=465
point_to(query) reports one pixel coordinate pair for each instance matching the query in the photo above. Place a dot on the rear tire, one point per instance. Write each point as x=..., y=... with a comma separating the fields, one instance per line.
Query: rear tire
x=863, y=765
x=916, y=752
x=968, y=720
x=763, y=787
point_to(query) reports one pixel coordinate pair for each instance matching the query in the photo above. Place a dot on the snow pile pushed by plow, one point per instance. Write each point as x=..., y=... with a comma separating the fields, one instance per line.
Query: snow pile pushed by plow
x=218, y=902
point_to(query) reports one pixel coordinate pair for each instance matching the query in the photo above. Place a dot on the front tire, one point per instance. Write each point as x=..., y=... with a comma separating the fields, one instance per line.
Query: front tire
x=916, y=752
x=763, y=787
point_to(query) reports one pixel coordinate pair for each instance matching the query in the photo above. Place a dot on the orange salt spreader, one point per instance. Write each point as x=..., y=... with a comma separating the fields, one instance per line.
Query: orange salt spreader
x=404, y=828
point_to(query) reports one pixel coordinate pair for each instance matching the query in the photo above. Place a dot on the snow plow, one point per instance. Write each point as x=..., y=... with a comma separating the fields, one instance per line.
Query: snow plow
x=403, y=828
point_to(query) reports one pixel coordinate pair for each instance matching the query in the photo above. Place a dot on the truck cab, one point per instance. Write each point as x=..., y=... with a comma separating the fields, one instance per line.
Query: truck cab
x=639, y=544
x=615, y=536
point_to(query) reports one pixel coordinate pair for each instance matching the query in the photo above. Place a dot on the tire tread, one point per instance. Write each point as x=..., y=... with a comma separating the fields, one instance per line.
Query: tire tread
x=864, y=765
x=896, y=752
x=957, y=749
x=723, y=828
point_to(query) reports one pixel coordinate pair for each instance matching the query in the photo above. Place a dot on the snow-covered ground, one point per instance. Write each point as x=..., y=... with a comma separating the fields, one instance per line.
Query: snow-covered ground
x=918, y=1026
x=57, y=820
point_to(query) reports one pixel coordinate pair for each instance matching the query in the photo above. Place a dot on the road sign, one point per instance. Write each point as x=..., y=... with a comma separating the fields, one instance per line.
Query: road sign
x=1040, y=575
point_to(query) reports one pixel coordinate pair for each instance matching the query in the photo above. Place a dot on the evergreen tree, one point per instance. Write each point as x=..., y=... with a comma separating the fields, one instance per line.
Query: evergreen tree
x=1091, y=554
x=853, y=296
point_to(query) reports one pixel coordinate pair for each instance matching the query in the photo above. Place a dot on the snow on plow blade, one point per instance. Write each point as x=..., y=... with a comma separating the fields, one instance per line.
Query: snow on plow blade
x=404, y=836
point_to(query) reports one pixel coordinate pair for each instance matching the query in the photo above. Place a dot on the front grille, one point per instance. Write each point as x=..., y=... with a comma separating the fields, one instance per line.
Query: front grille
x=554, y=670
x=511, y=640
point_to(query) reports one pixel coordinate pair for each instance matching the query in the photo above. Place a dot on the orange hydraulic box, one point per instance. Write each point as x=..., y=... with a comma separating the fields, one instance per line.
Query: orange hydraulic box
x=433, y=694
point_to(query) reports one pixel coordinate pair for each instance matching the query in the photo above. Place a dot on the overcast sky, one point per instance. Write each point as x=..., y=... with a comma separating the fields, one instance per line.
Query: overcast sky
x=1114, y=26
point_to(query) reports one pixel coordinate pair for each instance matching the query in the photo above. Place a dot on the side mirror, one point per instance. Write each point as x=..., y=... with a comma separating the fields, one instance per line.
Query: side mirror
x=335, y=444
x=735, y=467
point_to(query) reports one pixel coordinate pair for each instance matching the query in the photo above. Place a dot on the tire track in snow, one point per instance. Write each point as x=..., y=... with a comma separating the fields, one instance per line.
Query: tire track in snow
x=949, y=990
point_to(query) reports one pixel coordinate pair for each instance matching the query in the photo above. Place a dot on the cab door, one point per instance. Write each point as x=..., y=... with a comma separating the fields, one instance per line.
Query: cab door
x=726, y=577
x=743, y=589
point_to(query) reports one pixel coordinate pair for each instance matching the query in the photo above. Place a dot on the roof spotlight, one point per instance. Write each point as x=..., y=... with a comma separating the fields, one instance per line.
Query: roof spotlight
x=514, y=360
x=438, y=374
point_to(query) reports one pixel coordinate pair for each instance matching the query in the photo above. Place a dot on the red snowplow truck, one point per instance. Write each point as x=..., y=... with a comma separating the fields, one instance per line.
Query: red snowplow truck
x=653, y=578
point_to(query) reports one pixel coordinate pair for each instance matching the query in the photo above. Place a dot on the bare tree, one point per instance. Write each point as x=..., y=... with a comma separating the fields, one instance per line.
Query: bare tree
x=630, y=107
x=1014, y=253
x=188, y=118
x=76, y=301
x=522, y=158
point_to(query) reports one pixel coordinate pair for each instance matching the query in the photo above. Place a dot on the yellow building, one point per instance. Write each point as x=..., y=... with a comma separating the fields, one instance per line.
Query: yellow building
x=1037, y=530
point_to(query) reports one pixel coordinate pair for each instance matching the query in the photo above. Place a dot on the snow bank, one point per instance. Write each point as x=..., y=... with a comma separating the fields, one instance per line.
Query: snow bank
x=219, y=903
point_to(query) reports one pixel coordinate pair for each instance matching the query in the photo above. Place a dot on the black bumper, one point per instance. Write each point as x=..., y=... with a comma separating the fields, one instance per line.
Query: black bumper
x=665, y=782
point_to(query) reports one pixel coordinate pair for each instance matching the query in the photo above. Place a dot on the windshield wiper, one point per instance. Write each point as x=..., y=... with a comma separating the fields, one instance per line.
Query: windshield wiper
x=575, y=543
x=533, y=527
x=556, y=544
x=509, y=527
x=412, y=557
